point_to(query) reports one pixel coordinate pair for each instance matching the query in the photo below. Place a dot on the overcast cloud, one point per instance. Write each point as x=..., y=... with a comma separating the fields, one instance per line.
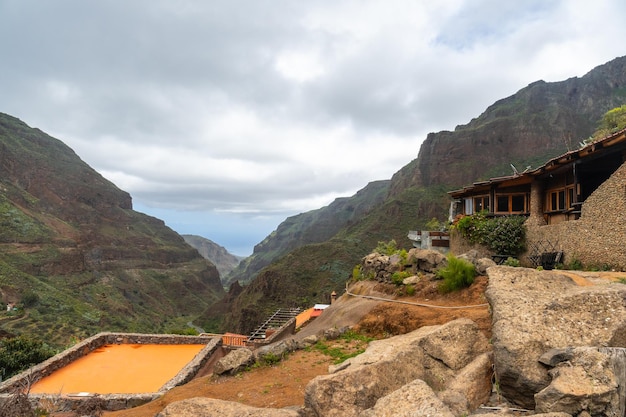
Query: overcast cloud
x=224, y=117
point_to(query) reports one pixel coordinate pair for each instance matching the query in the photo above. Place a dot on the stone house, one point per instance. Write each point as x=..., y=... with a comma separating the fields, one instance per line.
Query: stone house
x=575, y=204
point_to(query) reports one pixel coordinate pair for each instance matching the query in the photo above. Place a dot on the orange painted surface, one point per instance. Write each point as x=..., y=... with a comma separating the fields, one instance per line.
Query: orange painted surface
x=303, y=317
x=119, y=369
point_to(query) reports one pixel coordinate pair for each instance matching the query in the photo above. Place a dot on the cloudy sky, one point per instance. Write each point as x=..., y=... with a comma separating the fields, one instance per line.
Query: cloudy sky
x=224, y=117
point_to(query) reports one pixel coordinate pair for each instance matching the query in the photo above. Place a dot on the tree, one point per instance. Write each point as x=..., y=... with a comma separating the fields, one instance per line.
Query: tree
x=20, y=353
x=613, y=120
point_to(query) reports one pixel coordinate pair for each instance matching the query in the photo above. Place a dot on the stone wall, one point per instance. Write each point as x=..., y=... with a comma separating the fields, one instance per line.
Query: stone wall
x=598, y=237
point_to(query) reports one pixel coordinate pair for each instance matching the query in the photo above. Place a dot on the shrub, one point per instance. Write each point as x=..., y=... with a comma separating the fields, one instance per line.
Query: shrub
x=399, y=276
x=457, y=274
x=20, y=353
x=357, y=274
x=505, y=235
x=410, y=290
x=388, y=248
x=510, y=261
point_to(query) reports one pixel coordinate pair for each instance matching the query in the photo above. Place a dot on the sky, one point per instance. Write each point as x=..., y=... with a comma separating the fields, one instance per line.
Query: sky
x=223, y=118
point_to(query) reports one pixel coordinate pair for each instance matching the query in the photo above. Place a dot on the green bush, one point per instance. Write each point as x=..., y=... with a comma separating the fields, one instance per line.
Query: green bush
x=410, y=290
x=20, y=353
x=387, y=248
x=504, y=235
x=510, y=261
x=399, y=276
x=457, y=274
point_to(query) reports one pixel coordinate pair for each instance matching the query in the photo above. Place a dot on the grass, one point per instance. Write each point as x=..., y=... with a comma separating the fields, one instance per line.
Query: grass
x=349, y=345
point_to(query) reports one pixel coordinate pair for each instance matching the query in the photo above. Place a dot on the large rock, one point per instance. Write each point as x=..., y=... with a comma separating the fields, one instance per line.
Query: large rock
x=209, y=407
x=234, y=361
x=426, y=260
x=587, y=379
x=415, y=399
x=433, y=354
x=535, y=311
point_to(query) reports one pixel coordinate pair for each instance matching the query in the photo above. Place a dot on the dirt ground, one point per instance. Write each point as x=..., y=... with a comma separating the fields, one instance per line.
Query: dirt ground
x=283, y=384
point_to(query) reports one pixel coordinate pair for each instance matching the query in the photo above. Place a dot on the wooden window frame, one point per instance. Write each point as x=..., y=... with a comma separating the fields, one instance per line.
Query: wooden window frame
x=484, y=198
x=509, y=203
x=559, y=200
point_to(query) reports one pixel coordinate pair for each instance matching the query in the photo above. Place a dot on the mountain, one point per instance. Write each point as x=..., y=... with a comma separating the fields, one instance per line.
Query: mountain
x=306, y=228
x=223, y=260
x=541, y=121
x=76, y=259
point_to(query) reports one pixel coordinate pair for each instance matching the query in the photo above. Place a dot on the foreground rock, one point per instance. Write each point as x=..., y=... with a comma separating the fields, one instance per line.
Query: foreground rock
x=436, y=355
x=209, y=407
x=535, y=311
x=234, y=362
x=585, y=379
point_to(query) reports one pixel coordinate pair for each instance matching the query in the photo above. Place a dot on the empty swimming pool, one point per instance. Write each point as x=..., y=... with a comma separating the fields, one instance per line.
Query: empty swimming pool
x=119, y=369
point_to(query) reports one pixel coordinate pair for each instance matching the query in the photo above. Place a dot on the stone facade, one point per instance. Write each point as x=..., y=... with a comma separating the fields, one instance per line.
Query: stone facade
x=598, y=237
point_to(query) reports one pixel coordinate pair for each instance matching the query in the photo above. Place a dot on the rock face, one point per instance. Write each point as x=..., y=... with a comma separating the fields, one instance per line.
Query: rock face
x=535, y=311
x=436, y=355
x=587, y=380
x=209, y=407
x=413, y=399
x=223, y=260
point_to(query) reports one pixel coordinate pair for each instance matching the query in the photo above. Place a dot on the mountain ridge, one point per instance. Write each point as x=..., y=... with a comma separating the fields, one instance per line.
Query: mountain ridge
x=76, y=259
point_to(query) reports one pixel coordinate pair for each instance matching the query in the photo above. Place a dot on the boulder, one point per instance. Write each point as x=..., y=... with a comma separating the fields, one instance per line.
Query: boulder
x=416, y=399
x=587, y=380
x=471, y=387
x=234, y=361
x=482, y=264
x=426, y=260
x=308, y=341
x=275, y=351
x=209, y=407
x=535, y=311
x=412, y=280
x=433, y=354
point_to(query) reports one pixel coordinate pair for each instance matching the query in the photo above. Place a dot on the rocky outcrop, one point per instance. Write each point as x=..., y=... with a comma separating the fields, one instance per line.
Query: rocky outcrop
x=536, y=311
x=209, y=407
x=235, y=361
x=421, y=262
x=436, y=355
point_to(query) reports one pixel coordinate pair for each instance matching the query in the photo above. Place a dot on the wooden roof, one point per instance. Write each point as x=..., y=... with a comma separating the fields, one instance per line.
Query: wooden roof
x=600, y=146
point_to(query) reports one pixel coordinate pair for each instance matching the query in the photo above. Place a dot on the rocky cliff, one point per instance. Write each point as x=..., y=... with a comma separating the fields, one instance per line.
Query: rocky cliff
x=223, y=260
x=540, y=121
x=76, y=259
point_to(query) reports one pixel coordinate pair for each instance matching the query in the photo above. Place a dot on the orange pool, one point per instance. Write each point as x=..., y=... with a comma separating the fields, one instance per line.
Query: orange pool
x=119, y=369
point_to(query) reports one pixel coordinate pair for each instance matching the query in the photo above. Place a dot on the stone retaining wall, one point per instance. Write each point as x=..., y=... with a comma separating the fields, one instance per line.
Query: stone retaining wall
x=113, y=402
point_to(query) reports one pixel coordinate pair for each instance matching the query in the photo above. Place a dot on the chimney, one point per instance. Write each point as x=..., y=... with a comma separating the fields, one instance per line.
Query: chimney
x=333, y=297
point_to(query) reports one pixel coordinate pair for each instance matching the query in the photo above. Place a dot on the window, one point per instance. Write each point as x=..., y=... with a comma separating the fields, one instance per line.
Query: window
x=481, y=203
x=511, y=203
x=560, y=199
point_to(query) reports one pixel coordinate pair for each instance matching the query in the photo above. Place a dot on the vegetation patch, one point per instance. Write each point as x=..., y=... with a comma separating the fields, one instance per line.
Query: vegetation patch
x=505, y=235
x=457, y=274
x=349, y=345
